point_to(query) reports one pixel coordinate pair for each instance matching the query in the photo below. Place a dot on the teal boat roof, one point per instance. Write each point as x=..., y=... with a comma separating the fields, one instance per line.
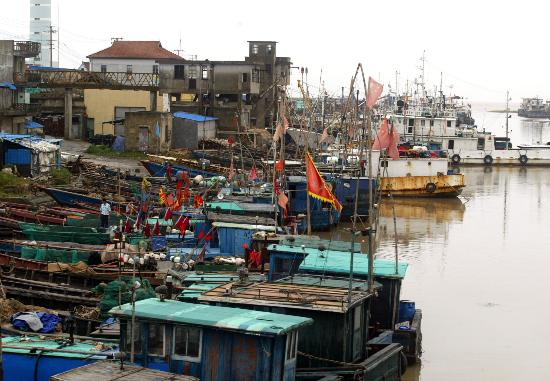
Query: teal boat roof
x=196, y=289
x=220, y=277
x=243, y=226
x=35, y=344
x=224, y=205
x=338, y=262
x=229, y=318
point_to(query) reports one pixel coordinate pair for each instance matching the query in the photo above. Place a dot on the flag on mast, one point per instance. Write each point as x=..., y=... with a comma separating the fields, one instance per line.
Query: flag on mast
x=373, y=93
x=316, y=186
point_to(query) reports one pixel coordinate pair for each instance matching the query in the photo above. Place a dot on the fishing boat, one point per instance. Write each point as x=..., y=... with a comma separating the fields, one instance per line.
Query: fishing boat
x=192, y=168
x=534, y=108
x=36, y=358
x=54, y=233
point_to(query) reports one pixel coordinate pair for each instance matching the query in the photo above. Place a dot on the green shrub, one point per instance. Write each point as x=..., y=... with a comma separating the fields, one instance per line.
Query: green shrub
x=60, y=176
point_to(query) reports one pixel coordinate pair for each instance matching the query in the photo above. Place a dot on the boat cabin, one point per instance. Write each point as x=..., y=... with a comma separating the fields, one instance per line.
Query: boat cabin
x=211, y=342
x=305, y=257
x=327, y=302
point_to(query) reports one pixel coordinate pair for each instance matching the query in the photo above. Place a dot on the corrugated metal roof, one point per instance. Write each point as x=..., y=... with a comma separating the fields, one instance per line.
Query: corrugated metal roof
x=236, y=319
x=193, y=117
x=338, y=262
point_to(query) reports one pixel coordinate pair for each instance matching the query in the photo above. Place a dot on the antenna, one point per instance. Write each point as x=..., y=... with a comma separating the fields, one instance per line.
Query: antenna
x=114, y=39
x=180, y=49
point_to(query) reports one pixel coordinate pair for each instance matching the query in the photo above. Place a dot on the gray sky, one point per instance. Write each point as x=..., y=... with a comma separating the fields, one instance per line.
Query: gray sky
x=482, y=47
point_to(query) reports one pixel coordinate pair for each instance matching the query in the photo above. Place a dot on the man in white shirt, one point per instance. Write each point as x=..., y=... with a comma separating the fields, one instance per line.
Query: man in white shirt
x=105, y=212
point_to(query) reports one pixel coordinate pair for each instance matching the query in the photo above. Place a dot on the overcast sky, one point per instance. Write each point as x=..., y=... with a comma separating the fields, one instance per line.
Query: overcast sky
x=482, y=47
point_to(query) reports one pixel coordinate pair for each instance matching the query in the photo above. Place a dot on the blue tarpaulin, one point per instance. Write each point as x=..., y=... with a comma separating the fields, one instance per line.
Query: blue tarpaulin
x=31, y=124
x=8, y=85
x=118, y=144
x=49, y=322
x=194, y=117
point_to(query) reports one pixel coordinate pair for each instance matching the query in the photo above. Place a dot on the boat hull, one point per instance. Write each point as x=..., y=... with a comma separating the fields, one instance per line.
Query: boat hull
x=159, y=170
x=422, y=186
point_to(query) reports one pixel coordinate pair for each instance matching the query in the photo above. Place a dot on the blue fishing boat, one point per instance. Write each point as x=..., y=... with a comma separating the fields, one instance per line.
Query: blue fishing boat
x=323, y=215
x=65, y=197
x=210, y=342
x=344, y=190
x=159, y=170
x=32, y=358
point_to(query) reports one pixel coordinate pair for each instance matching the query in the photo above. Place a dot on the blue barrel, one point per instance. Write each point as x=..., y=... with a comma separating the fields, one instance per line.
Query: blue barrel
x=406, y=310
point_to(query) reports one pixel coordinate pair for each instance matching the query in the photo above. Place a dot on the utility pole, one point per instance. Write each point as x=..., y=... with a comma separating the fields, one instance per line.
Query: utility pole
x=51, y=31
x=507, y=116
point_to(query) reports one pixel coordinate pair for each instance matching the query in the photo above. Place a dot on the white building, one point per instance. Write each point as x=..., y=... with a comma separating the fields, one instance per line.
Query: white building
x=40, y=24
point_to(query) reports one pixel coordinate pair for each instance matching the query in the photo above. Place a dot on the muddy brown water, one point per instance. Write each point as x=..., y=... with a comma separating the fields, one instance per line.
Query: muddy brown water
x=478, y=269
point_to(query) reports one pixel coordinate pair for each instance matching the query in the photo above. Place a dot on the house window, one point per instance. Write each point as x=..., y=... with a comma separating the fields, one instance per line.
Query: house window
x=103, y=68
x=179, y=72
x=187, y=343
x=431, y=123
x=192, y=71
x=128, y=69
x=256, y=75
x=448, y=123
x=204, y=73
x=137, y=337
x=422, y=122
x=291, y=346
x=192, y=83
x=37, y=18
x=245, y=77
x=255, y=49
x=155, y=69
x=156, y=340
x=451, y=144
x=409, y=130
x=269, y=49
x=36, y=32
x=411, y=122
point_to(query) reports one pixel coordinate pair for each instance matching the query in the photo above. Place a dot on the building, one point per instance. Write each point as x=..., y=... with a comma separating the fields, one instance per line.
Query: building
x=15, y=107
x=129, y=57
x=30, y=155
x=242, y=94
x=40, y=30
x=147, y=131
x=189, y=129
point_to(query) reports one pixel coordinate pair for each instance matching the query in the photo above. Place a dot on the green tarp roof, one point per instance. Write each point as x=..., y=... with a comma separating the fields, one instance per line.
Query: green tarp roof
x=332, y=261
x=34, y=343
x=229, y=318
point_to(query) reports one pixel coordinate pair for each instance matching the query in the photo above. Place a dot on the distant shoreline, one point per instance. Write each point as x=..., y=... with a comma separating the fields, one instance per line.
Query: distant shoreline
x=504, y=111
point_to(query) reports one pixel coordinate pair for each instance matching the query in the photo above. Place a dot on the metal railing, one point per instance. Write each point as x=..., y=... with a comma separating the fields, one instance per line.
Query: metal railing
x=26, y=48
x=88, y=80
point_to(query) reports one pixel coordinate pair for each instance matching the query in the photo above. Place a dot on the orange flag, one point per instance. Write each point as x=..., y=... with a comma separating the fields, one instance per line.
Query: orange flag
x=374, y=92
x=316, y=186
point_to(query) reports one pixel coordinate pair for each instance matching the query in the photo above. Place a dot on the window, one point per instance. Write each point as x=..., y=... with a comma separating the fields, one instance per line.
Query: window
x=255, y=49
x=137, y=337
x=384, y=164
x=192, y=72
x=255, y=75
x=480, y=143
x=291, y=346
x=245, y=77
x=156, y=340
x=269, y=49
x=411, y=122
x=431, y=123
x=179, y=72
x=187, y=342
x=37, y=18
x=155, y=69
x=451, y=144
x=448, y=123
x=36, y=32
x=409, y=130
x=128, y=69
x=192, y=83
x=103, y=68
x=423, y=122
x=204, y=74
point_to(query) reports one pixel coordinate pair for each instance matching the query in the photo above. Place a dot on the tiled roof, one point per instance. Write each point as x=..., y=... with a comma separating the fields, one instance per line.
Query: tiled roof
x=136, y=49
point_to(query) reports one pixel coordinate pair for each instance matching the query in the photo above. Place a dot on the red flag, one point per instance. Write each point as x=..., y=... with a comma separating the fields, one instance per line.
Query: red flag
x=197, y=201
x=156, y=229
x=183, y=226
x=316, y=186
x=170, y=199
x=280, y=165
x=208, y=237
x=178, y=185
x=179, y=221
x=168, y=214
x=382, y=140
x=169, y=172
x=282, y=200
x=201, y=234
x=373, y=93
x=127, y=226
x=278, y=132
x=147, y=230
x=393, y=152
x=253, y=174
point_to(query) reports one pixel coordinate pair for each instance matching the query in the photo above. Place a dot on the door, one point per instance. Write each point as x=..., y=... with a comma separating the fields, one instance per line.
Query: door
x=144, y=139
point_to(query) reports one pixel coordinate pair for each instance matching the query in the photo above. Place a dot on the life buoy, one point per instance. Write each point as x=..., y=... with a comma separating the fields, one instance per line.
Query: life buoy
x=523, y=159
x=430, y=187
x=455, y=159
x=488, y=159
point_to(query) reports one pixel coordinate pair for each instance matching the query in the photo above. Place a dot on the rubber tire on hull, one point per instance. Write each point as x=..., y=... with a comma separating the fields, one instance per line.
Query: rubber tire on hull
x=431, y=187
x=523, y=159
x=455, y=159
x=488, y=160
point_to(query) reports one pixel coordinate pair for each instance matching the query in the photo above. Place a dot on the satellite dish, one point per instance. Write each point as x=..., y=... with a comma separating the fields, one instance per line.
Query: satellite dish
x=220, y=196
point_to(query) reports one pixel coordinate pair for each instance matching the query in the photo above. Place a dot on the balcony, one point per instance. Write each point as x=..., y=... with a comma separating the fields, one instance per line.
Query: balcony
x=26, y=49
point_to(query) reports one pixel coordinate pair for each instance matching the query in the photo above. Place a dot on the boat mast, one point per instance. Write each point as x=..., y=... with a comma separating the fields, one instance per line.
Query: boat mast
x=507, y=116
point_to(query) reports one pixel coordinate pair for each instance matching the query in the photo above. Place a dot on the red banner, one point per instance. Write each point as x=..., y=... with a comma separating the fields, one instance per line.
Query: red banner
x=316, y=186
x=374, y=92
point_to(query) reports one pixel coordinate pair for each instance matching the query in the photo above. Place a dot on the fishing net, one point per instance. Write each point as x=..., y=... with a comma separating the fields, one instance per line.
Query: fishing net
x=54, y=255
x=110, y=292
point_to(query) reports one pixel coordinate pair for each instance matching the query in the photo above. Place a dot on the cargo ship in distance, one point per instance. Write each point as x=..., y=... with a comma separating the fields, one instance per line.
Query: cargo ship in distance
x=534, y=108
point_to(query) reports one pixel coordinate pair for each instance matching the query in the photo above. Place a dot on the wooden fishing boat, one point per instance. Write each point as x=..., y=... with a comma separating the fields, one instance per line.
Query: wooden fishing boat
x=56, y=233
x=191, y=167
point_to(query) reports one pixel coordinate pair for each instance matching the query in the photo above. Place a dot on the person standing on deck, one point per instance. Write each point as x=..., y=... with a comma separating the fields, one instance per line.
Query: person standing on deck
x=105, y=212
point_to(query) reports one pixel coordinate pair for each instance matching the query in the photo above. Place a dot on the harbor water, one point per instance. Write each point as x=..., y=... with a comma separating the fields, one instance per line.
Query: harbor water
x=478, y=268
